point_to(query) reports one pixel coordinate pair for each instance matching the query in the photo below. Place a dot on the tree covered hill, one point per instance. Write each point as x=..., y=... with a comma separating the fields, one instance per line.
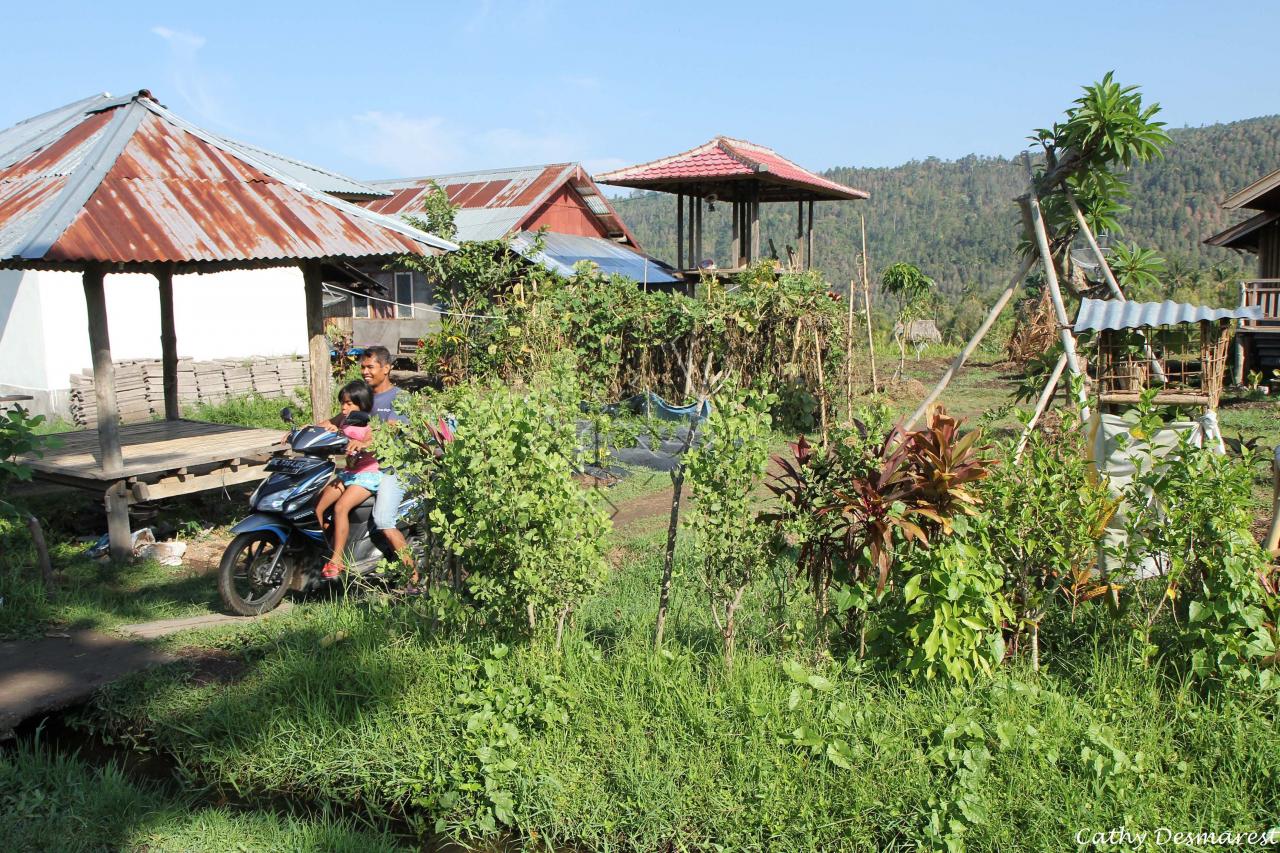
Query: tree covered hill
x=958, y=222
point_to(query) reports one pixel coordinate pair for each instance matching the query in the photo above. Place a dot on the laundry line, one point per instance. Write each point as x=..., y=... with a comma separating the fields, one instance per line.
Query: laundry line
x=333, y=288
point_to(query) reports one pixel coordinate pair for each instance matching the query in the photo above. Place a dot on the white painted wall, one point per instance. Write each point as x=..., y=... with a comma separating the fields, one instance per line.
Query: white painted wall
x=44, y=333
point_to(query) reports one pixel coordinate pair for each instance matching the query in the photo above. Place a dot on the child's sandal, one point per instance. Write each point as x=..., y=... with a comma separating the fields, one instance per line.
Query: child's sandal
x=331, y=570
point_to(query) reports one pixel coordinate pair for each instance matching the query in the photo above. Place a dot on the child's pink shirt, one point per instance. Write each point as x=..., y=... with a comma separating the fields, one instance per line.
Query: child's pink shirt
x=362, y=461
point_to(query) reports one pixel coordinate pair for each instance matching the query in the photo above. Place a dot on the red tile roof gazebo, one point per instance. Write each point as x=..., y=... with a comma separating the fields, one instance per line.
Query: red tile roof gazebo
x=741, y=173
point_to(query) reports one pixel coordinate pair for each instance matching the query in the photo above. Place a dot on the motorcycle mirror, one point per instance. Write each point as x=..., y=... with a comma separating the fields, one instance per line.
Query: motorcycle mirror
x=286, y=414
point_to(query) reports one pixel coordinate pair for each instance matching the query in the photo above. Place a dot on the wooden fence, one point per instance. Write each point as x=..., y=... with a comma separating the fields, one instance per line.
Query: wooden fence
x=140, y=385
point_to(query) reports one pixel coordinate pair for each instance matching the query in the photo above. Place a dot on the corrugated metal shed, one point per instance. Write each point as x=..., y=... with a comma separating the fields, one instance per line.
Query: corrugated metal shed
x=125, y=181
x=561, y=251
x=1104, y=314
x=313, y=176
x=730, y=160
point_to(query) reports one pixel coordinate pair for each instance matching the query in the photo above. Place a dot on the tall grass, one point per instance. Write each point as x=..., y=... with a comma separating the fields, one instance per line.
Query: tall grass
x=364, y=706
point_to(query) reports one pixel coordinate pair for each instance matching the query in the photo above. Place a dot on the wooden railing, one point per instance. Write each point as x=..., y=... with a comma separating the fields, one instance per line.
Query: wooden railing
x=1265, y=293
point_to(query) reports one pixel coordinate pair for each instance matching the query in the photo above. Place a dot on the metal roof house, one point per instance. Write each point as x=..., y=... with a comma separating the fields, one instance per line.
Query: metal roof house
x=78, y=184
x=492, y=204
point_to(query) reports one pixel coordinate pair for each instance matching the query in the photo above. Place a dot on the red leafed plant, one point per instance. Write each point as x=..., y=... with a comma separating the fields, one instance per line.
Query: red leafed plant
x=911, y=484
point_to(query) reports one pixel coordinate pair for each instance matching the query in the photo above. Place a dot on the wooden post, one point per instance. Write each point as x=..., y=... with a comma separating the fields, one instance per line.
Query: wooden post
x=866, y=304
x=317, y=343
x=1272, y=545
x=104, y=381
x=116, y=501
x=800, y=233
x=168, y=344
x=808, y=253
x=679, y=231
x=697, y=234
x=735, y=240
x=755, y=226
x=960, y=359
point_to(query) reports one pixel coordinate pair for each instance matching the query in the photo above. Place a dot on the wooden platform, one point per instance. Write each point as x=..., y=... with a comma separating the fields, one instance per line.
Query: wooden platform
x=155, y=449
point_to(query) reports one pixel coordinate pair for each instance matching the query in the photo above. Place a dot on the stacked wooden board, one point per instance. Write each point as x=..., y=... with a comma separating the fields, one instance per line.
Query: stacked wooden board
x=140, y=385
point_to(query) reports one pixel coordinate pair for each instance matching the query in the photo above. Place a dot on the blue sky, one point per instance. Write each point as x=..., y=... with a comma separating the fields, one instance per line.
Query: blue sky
x=379, y=89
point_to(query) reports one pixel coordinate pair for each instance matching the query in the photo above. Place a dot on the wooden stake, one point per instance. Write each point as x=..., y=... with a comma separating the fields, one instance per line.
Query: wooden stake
x=168, y=344
x=673, y=526
x=822, y=385
x=848, y=359
x=317, y=343
x=1272, y=545
x=866, y=304
x=42, y=554
x=969, y=348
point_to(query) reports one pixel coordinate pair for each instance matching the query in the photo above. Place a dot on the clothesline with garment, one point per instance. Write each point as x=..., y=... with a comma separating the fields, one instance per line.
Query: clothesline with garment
x=333, y=288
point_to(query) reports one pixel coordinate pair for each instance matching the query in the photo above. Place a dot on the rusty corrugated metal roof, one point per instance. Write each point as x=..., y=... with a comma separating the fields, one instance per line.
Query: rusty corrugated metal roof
x=724, y=161
x=126, y=181
x=496, y=203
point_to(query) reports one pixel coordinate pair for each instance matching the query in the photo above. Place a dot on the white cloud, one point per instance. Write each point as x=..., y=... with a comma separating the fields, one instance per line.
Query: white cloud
x=204, y=94
x=397, y=145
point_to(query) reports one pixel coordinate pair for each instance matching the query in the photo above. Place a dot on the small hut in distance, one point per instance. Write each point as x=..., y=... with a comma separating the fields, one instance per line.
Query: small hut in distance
x=743, y=175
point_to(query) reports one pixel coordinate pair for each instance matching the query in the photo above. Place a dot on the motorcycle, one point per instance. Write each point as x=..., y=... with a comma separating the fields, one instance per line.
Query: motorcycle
x=281, y=546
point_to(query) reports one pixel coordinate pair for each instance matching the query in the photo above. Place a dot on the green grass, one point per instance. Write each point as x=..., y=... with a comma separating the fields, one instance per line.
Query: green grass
x=252, y=410
x=58, y=802
x=368, y=710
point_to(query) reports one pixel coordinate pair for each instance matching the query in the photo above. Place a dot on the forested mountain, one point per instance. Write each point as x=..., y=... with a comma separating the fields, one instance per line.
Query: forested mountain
x=958, y=222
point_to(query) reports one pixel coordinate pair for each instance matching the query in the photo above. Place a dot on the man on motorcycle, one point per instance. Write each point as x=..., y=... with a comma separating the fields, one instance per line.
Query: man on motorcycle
x=375, y=368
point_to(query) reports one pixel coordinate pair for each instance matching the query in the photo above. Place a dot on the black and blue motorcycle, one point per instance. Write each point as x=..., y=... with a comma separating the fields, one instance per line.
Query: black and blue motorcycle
x=281, y=546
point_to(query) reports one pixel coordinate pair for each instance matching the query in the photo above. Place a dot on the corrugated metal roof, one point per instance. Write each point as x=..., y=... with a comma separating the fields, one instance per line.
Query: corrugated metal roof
x=313, y=176
x=1099, y=314
x=126, y=181
x=493, y=188
x=561, y=251
x=497, y=202
x=725, y=159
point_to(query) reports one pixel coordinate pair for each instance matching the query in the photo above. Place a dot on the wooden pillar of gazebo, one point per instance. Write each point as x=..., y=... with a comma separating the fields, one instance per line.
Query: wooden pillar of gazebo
x=317, y=343
x=104, y=386
x=168, y=344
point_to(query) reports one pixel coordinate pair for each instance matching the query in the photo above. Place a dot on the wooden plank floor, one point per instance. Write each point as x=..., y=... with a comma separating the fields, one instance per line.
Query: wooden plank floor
x=155, y=447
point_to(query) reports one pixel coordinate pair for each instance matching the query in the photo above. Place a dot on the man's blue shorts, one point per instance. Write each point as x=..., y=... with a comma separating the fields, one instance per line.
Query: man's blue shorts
x=387, y=504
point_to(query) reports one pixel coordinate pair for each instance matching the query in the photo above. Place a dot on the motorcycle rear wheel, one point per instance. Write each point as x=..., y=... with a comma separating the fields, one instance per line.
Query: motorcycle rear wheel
x=244, y=582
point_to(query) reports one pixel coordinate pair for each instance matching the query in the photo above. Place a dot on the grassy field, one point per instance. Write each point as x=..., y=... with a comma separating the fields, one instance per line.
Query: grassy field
x=368, y=727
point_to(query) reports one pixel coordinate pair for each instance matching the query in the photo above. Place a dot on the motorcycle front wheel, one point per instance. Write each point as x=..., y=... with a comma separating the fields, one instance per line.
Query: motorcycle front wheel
x=254, y=576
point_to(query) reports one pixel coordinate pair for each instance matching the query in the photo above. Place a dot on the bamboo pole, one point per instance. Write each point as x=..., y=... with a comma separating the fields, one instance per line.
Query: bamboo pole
x=1032, y=208
x=1045, y=396
x=822, y=384
x=969, y=348
x=866, y=304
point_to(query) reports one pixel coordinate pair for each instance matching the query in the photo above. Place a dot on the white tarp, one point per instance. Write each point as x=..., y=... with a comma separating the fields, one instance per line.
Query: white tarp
x=1117, y=454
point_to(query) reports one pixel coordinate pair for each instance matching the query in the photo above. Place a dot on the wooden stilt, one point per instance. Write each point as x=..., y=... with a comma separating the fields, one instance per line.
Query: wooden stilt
x=698, y=257
x=992, y=316
x=168, y=344
x=735, y=239
x=755, y=227
x=800, y=233
x=679, y=231
x=808, y=252
x=317, y=343
x=116, y=501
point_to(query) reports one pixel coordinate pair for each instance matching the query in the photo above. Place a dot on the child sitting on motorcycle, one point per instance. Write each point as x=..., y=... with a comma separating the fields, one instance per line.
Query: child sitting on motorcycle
x=361, y=477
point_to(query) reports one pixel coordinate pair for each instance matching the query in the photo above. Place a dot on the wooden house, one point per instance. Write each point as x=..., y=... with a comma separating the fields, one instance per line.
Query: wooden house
x=1259, y=235
x=514, y=203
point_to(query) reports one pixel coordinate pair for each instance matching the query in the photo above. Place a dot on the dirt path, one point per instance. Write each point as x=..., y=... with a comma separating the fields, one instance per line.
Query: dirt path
x=38, y=676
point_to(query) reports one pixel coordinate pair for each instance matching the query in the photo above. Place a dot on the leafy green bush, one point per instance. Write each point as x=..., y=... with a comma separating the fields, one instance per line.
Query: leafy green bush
x=724, y=472
x=504, y=501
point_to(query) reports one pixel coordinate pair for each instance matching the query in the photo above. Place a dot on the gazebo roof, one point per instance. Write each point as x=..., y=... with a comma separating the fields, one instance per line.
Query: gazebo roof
x=730, y=168
x=123, y=181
